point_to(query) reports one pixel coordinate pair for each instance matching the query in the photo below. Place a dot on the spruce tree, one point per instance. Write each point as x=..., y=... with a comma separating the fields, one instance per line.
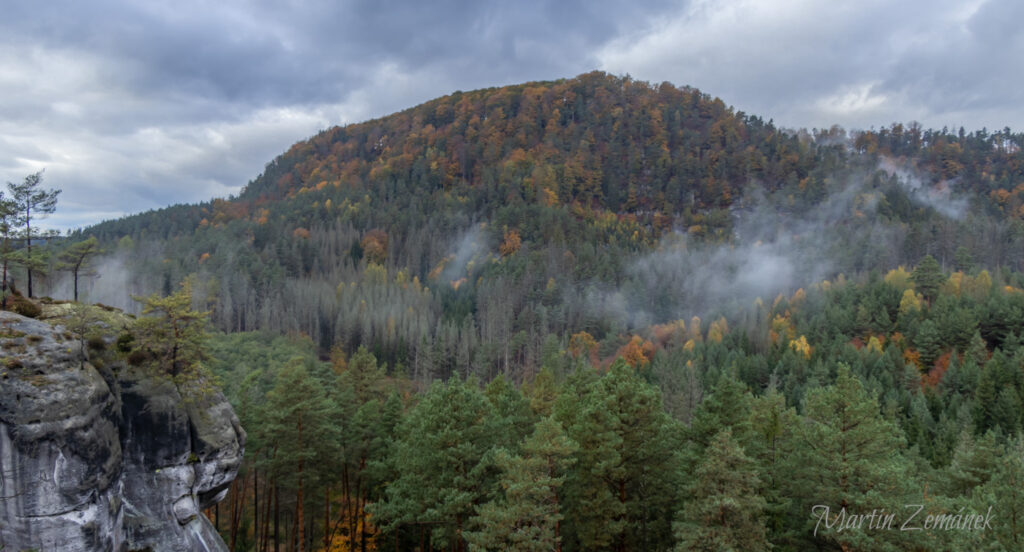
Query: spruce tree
x=773, y=427
x=1004, y=493
x=928, y=344
x=972, y=465
x=727, y=406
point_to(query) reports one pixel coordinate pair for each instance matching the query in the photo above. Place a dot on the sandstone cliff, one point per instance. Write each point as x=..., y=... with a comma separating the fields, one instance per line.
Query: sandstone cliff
x=103, y=456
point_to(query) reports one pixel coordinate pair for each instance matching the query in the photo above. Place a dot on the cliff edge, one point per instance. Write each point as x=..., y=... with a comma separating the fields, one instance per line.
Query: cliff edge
x=98, y=456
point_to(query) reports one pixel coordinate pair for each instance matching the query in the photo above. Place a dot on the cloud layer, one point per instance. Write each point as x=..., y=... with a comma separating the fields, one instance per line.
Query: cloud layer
x=135, y=105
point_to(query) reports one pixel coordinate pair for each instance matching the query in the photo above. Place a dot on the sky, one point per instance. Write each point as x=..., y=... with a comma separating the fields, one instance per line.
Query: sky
x=131, y=105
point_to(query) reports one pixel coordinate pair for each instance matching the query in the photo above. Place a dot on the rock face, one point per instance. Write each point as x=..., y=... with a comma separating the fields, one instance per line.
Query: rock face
x=112, y=458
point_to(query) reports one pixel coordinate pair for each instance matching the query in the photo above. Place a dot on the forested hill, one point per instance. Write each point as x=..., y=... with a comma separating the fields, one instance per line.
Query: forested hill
x=602, y=142
x=465, y=232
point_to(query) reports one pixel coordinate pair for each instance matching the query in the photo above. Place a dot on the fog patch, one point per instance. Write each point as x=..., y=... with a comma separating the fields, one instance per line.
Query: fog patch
x=111, y=281
x=938, y=196
x=468, y=251
x=772, y=251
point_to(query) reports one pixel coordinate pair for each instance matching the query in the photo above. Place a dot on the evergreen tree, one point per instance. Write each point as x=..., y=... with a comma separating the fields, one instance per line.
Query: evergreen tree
x=170, y=334
x=963, y=259
x=511, y=409
x=1004, y=494
x=527, y=517
x=928, y=277
x=75, y=259
x=300, y=429
x=31, y=203
x=726, y=407
x=973, y=463
x=977, y=351
x=928, y=343
x=542, y=392
x=773, y=427
x=850, y=458
x=623, y=487
x=364, y=376
x=442, y=460
x=997, y=401
x=724, y=511
x=8, y=213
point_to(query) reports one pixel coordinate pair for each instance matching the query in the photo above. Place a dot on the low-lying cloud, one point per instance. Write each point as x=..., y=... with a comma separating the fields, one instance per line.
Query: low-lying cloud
x=772, y=251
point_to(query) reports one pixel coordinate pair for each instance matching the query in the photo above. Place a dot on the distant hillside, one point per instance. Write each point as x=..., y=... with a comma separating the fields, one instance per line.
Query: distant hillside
x=467, y=231
x=597, y=141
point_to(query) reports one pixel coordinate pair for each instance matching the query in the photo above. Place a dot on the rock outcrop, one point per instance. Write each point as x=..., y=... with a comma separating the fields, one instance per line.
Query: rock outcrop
x=109, y=457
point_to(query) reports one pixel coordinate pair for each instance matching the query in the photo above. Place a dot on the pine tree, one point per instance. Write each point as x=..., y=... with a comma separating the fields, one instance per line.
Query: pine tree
x=300, y=427
x=32, y=203
x=8, y=212
x=850, y=458
x=511, y=409
x=724, y=511
x=623, y=487
x=928, y=277
x=528, y=515
x=441, y=461
x=76, y=260
x=170, y=333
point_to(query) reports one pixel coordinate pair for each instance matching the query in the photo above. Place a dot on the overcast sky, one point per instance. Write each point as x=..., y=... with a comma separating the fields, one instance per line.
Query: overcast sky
x=131, y=105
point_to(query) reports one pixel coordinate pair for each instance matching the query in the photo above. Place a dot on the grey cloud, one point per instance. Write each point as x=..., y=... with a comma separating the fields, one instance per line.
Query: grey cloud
x=859, y=64
x=142, y=103
x=132, y=105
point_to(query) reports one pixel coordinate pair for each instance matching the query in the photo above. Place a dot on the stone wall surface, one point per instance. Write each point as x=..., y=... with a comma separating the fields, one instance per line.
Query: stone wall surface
x=111, y=458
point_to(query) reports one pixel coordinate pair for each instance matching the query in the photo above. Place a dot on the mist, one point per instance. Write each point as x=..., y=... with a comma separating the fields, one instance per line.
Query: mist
x=774, y=249
x=466, y=251
x=111, y=282
x=938, y=197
